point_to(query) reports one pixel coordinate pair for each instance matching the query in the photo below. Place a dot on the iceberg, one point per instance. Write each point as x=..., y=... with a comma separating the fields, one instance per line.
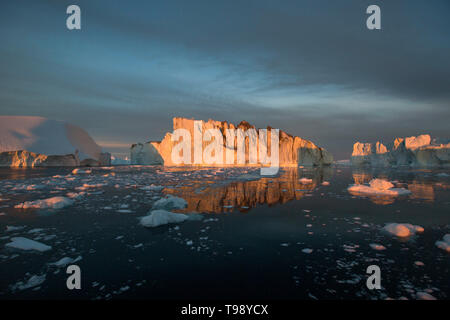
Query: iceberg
x=28, y=141
x=418, y=151
x=292, y=150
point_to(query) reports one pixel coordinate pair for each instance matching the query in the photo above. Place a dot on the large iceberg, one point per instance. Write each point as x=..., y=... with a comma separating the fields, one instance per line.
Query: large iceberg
x=293, y=150
x=410, y=151
x=28, y=141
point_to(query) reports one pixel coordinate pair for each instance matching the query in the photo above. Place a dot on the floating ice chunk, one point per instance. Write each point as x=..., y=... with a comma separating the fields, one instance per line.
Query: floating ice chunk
x=377, y=246
x=402, y=229
x=161, y=217
x=14, y=228
x=305, y=181
x=378, y=187
x=443, y=174
x=307, y=250
x=124, y=211
x=78, y=171
x=152, y=188
x=50, y=203
x=34, y=187
x=36, y=230
x=169, y=203
x=75, y=195
x=445, y=243
x=33, y=281
x=424, y=296
x=61, y=263
x=27, y=244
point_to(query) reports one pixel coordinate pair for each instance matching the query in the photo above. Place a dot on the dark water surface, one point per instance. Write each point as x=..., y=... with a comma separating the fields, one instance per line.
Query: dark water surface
x=250, y=244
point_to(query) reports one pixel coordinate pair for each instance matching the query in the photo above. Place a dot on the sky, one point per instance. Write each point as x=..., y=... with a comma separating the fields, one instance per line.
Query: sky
x=310, y=68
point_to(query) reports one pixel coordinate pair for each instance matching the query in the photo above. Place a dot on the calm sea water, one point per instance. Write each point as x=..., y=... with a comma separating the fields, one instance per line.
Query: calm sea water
x=252, y=242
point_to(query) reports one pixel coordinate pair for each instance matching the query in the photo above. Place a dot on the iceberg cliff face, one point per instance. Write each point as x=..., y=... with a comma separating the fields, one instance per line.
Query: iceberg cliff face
x=293, y=150
x=27, y=141
x=410, y=151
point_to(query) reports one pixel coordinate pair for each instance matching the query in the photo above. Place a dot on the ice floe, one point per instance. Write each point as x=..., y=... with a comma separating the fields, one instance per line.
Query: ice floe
x=78, y=171
x=161, y=217
x=27, y=244
x=444, y=244
x=152, y=188
x=377, y=246
x=32, y=282
x=378, y=187
x=402, y=230
x=50, y=203
x=424, y=296
x=61, y=263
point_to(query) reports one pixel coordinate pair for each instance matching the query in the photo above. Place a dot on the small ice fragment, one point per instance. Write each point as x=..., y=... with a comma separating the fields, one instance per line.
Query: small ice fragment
x=307, y=250
x=377, y=246
x=33, y=281
x=161, y=217
x=50, y=203
x=424, y=296
x=402, y=230
x=27, y=244
x=445, y=243
x=61, y=263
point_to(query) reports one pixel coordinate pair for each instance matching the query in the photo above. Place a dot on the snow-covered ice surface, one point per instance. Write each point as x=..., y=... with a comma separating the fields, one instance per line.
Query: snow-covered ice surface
x=281, y=236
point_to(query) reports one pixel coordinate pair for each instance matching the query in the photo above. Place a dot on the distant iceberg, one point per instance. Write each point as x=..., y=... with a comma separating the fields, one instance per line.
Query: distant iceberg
x=28, y=141
x=410, y=151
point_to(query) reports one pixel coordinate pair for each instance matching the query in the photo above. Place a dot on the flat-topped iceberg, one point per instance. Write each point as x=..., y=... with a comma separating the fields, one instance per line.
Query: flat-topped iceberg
x=292, y=150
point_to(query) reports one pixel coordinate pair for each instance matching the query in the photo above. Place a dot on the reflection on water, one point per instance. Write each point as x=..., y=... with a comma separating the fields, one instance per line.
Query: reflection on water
x=422, y=191
x=243, y=195
x=208, y=197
